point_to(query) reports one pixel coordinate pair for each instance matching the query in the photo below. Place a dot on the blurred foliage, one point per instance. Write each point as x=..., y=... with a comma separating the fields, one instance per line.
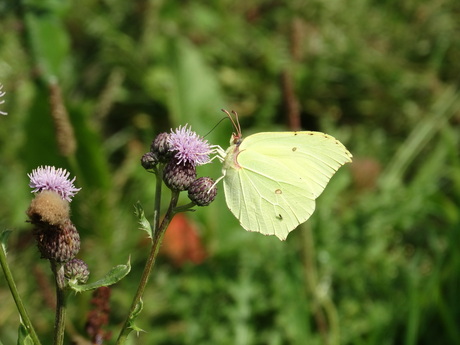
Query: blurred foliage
x=378, y=263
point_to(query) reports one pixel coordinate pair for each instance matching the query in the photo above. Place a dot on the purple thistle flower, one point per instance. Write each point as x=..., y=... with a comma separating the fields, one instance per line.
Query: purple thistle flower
x=187, y=146
x=2, y=93
x=50, y=178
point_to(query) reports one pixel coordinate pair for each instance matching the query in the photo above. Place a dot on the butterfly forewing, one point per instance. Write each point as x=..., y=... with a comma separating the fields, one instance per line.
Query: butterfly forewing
x=272, y=186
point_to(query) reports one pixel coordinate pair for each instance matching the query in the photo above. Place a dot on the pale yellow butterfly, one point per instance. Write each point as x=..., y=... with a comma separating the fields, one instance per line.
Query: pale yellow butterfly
x=271, y=179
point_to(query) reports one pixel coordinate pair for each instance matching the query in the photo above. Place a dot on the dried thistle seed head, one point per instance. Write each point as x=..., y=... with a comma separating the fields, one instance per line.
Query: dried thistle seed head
x=160, y=146
x=48, y=207
x=77, y=270
x=179, y=176
x=59, y=243
x=202, y=191
x=149, y=160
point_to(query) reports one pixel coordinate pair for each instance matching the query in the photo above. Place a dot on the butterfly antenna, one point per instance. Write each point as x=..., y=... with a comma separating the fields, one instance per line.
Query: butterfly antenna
x=213, y=128
x=235, y=122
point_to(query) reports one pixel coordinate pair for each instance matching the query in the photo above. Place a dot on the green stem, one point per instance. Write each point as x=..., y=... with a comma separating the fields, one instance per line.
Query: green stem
x=328, y=324
x=333, y=319
x=184, y=208
x=61, y=302
x=157, y=238
x=17, y=299
x=156, y=211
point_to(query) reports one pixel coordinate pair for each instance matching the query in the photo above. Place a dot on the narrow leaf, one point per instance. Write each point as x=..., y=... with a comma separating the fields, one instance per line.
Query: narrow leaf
x=113, y=276
x=4, y=238
x=24, y=337
x=134, y=316
x=137, y=311
x=143, y=222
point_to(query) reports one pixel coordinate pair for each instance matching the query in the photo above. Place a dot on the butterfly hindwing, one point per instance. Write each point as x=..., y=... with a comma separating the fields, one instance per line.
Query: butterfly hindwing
x=272, y=179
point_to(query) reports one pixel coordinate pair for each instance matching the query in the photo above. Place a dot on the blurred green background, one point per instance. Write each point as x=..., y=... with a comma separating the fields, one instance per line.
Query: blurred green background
x=377, y=263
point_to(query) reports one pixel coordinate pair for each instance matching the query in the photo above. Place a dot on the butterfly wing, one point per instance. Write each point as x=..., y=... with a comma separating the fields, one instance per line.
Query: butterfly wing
x=271, y=180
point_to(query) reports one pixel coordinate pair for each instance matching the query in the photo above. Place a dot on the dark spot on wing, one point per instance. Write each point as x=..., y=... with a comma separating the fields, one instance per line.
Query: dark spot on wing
x=294, y=149
x=278, y=191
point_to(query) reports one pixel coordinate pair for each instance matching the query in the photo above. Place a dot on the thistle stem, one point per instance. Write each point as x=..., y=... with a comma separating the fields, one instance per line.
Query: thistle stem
x=156, y=211
x=157, y=239
x=61, y=302
x=17, y=299
x=185, y=208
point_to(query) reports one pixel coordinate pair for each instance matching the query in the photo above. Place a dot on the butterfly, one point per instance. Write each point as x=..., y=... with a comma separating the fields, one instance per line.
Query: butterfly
x=272, y=179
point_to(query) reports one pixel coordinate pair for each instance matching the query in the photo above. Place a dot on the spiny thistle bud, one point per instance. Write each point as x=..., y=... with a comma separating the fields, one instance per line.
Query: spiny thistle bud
x=48, y=207
x=77, y=270
x=160, y=146
x=149, y=160
x=59, y=243
x=202, y=191
x=179, y=176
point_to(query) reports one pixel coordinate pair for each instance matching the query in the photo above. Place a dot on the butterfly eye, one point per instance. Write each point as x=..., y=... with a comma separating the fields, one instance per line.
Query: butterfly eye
x=236, y=139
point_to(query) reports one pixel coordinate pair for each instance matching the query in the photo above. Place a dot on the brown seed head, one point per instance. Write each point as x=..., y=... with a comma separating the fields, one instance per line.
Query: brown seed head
x=48, y=207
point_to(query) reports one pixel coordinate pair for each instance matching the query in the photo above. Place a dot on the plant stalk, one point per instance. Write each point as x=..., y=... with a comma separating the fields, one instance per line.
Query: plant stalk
x=17, y=299
x=61, y=302
x=157, y=239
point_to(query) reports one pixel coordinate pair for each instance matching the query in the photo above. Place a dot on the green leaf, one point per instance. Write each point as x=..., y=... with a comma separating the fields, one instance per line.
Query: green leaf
x=48, y=37
x=143, y=222
x=4, y=238
x=135, y=328
x=24, y=337
x=138, y=310
x=134, y=316
x=113, y=276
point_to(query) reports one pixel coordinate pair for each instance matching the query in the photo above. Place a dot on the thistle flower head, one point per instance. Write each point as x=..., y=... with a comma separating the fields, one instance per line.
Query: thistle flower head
x=2, y=93
x=189, y=147
x=50, y=178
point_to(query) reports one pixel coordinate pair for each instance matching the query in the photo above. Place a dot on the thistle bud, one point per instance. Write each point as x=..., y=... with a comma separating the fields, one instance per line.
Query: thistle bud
x=77, y=270
x=149, y=160
x=160, y=146
x=202, y=191
x=179, y=176
x=57, y=242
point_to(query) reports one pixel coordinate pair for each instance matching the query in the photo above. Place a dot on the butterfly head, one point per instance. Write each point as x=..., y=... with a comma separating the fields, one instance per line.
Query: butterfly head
x=236, y=137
